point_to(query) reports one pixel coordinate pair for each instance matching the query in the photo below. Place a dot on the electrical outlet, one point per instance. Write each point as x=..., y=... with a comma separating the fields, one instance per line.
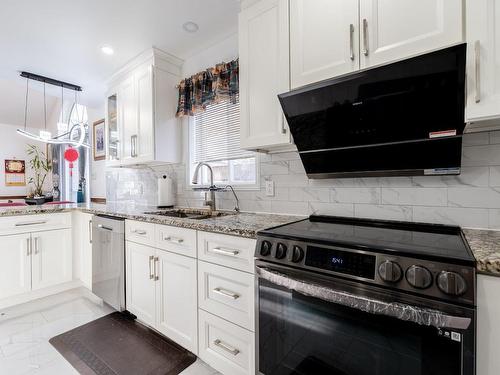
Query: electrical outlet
x=269, y=188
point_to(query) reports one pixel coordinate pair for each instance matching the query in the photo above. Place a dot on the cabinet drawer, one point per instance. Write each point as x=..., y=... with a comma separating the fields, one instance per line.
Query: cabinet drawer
x=34, y=223
x=178, y=240
x=140, y=232
x=230, y=251
x=225, y=346
x=227, y=293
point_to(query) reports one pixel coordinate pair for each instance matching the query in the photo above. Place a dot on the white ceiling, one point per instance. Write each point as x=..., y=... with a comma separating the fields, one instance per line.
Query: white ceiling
x=62, y=38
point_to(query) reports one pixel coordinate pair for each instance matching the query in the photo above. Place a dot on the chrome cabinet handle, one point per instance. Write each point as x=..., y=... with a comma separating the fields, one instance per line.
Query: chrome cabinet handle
x=477, y=67
x=151, y=274
x=226, y=347
x=28, y=246
x=100, y=226
x=140, y=232
x=226, y=293
x=36, y=245
x=157, y=261
x=90, y=231
x=31, y=223
x=283, y=127
x=365, y=37
x=351, y=41
x=174, y=240
x=133, y=146
x=228, y=252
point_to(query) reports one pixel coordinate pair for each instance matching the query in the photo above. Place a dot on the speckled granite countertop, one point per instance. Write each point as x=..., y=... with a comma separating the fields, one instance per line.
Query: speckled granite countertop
x=485, y=244
x=242, y=224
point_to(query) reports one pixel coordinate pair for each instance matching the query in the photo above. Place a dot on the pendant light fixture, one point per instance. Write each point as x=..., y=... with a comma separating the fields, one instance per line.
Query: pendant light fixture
x=44, y=135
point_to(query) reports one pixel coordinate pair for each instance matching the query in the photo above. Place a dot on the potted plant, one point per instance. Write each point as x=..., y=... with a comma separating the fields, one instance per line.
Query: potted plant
x=41, y=166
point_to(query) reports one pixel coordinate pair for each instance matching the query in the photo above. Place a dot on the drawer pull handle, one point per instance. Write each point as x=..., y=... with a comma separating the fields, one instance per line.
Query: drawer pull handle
x=157, y=262
x=226, y=293
x=228, y=252
x=226, y=347
x=31, y=223
x=174, y=240
x=37, y=250
x=140, y=232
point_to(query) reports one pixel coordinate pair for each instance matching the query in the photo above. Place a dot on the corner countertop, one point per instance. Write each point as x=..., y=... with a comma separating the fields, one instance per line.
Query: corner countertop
x=242, y=224
x=485, y=244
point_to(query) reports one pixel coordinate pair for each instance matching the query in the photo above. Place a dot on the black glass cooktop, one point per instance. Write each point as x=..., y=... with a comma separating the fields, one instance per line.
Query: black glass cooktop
x=406, y=239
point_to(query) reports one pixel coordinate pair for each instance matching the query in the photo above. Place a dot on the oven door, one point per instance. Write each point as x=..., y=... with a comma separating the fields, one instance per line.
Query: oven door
x=367, y=331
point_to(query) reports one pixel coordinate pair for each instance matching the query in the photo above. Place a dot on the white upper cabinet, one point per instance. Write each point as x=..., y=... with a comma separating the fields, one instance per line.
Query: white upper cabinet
x=140, y=112
x=483, y=61
x=324, y=39
x=264, y=73
x=395, y=29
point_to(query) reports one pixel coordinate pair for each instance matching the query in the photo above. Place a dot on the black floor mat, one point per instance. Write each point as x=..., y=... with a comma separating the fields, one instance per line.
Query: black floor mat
x=117, y=345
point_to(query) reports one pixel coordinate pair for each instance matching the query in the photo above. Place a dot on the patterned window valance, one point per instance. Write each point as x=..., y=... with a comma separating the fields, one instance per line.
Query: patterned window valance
x=213, y=85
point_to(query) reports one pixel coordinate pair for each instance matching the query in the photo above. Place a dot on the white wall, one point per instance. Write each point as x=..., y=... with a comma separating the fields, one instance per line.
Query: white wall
x=97, y=168
x=13, y=146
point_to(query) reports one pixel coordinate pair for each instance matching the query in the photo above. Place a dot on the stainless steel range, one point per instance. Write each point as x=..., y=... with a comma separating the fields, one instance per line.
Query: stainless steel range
x=349, y=296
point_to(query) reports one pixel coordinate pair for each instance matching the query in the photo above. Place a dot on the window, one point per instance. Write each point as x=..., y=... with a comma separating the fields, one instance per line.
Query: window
x=215, y=139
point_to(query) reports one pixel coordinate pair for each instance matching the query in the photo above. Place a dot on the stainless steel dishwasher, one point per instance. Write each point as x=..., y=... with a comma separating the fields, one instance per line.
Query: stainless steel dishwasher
x=108, y=260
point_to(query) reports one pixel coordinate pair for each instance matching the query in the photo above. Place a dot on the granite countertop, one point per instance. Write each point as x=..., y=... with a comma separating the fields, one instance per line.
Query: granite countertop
x=485, y=244
x=242, y=224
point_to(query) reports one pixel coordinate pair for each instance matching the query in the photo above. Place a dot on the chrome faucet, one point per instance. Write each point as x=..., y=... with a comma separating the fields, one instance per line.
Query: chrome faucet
x=210, y=194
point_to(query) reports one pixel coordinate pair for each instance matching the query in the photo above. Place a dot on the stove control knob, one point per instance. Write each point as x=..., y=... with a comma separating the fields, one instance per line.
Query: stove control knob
x=265, y=248
x=280, y=251
x=390, y=271
x=451, y=283
x=297, y=254
x=419, y=277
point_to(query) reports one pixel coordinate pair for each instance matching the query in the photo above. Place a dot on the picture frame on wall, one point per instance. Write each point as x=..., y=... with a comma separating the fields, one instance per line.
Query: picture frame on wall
x=98, y=140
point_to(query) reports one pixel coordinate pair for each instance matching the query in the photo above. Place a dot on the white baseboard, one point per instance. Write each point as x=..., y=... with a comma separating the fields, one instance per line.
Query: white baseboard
x=30, y=296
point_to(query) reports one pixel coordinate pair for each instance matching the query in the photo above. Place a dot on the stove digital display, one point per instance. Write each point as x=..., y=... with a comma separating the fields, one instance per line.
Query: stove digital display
x=356, y=264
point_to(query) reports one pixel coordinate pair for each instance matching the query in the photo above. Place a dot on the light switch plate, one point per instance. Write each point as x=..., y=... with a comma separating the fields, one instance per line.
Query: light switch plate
x=269, y=188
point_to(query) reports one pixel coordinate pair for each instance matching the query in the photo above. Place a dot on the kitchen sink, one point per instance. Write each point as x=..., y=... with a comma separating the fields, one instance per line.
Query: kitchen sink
x=190, y=214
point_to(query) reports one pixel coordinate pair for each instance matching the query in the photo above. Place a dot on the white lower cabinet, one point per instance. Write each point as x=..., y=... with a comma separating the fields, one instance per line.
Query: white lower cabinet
x=34, y=261
x=51, y=259
x=225, y=346
x=488, y=325
x=82, y=247
x=15, y=265
x=161, y=291
x=176, y=299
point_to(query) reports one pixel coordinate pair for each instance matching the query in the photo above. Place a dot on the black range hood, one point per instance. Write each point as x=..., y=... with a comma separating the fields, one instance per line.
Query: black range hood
x=405, y=118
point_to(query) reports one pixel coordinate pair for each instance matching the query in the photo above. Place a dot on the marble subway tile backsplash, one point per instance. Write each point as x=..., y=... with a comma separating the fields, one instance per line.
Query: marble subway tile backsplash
x=471, y=199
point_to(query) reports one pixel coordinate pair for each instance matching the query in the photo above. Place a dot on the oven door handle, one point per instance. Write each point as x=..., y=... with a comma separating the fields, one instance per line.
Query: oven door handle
x=401, y=311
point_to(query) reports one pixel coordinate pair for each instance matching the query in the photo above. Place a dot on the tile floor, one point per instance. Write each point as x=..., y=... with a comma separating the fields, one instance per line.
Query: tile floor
x=25, y=331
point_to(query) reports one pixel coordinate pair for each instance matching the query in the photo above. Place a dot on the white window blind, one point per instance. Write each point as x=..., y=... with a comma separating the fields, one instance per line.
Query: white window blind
x=217, y=133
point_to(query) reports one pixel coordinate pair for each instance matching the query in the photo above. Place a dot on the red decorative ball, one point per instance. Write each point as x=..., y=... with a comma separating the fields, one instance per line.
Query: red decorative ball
x=71, y=154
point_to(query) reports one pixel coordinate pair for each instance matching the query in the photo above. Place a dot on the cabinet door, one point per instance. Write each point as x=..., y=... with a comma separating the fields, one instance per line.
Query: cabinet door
x=176, y=296
x=82, y=247
x=144, y=143
x=113, y=130
x=488, y=325
x=15, y=265
x=264, y=73
x=395, y=29
x=140, y=283
x=51, y=258
x=324, y=39
x=128, y=119
x=483, y=59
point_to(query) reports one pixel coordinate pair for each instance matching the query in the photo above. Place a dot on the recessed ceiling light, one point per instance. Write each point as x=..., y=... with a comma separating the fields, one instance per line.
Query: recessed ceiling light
x=190, y=27
x=107, y=50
